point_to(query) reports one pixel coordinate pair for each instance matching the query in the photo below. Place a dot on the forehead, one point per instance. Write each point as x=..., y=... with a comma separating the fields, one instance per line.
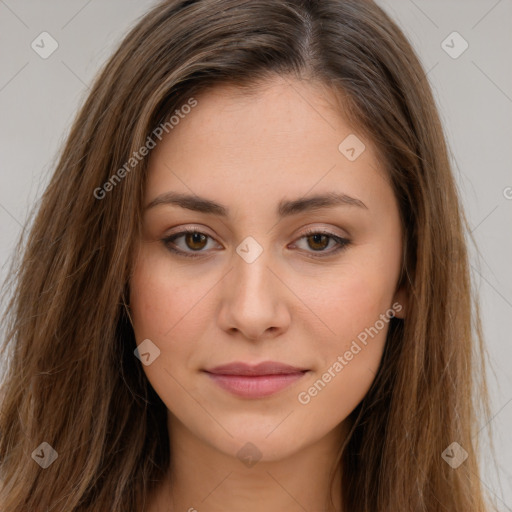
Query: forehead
x=284, y=136
x=281, y=105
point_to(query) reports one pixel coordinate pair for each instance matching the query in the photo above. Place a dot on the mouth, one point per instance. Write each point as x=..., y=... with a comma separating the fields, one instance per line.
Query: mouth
x=255, y=381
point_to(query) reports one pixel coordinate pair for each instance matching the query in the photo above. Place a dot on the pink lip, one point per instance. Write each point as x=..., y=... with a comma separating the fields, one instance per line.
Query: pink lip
x=255, y=381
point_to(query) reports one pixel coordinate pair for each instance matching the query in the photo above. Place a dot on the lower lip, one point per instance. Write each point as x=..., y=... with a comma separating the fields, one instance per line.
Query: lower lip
x=255, y=386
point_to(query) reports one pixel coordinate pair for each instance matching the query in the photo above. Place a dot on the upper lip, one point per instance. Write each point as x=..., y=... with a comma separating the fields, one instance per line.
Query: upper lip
x=264, y=368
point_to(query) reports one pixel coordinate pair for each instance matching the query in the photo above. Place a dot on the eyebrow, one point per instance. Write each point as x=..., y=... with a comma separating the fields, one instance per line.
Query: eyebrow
x=285, y=208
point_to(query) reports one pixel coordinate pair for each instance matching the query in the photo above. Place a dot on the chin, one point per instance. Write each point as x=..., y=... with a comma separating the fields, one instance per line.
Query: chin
x=253, y=442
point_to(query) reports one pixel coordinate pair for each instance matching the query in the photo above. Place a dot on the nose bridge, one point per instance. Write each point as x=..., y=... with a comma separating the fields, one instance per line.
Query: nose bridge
x=251, y=274
x=252, y=302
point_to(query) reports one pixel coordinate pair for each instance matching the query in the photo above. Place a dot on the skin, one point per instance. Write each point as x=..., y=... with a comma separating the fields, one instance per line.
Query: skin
x=290, y=305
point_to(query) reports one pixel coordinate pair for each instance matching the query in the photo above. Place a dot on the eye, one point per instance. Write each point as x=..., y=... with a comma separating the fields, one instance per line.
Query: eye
x=319, y=240
x=196, y=241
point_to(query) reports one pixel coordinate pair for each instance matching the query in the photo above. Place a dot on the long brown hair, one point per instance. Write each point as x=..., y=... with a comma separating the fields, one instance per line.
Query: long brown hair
x=71, y=377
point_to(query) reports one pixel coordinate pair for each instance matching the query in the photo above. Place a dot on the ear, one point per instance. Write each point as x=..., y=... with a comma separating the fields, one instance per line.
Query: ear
x=400, y=302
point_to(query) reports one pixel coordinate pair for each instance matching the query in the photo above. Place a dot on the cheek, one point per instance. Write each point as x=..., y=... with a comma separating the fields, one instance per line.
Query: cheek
x=164, y=306
x=354, y=304
x=356, y=311
x=162, y=298
x=348, y=301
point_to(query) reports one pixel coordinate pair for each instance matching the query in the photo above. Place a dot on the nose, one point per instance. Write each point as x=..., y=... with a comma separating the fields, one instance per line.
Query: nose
x=254, y=300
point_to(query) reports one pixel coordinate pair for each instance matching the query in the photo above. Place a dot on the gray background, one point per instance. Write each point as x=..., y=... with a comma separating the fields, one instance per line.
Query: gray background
x=39, y=98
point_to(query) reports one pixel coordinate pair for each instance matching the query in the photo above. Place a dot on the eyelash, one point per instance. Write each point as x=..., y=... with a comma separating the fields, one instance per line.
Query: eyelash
x=343, y=243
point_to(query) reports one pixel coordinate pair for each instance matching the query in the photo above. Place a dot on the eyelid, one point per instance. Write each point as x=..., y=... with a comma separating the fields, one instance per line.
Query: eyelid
x=311, y=230
x=190, y=228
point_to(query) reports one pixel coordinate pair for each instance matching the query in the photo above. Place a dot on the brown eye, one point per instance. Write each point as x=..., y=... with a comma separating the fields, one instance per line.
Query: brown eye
x=195, y=241
x=319, y=241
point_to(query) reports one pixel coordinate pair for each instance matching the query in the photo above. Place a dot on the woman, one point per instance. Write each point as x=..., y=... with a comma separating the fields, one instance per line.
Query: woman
x=247, y=284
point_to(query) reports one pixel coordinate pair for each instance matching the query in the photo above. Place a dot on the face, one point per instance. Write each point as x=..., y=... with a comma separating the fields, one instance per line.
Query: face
x=271, y=274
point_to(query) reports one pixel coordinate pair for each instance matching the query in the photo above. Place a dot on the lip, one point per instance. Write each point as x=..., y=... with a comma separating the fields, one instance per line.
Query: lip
x=263, y=368
x=255, y=381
